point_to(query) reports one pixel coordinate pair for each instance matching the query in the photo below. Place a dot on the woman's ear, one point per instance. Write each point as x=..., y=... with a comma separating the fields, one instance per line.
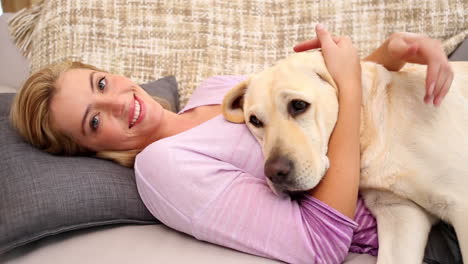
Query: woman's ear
x=233, y=103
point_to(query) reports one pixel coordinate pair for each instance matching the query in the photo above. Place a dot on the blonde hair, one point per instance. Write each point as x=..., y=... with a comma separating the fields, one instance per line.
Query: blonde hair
x=30, y=115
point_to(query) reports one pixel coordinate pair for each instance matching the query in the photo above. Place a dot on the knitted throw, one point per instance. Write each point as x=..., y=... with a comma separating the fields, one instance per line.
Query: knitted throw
x=196, y=39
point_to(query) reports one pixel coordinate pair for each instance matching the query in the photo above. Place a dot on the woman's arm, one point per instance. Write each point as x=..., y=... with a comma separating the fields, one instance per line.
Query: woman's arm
x=403, y=47
x=339, y=187
x=392, y=62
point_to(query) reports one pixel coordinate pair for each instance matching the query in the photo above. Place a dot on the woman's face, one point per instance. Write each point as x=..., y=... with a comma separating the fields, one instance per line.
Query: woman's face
x=103, y=111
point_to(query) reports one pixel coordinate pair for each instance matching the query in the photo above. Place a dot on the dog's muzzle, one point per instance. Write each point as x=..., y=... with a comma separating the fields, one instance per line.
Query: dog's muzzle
x=278, y=169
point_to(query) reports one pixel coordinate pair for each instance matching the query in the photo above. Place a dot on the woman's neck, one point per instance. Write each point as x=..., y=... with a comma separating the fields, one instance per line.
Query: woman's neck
x=172, y=123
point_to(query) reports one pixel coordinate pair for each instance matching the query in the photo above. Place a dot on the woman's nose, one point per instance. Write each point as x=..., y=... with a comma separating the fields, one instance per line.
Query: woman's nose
x=113, y=106
x=117, y=109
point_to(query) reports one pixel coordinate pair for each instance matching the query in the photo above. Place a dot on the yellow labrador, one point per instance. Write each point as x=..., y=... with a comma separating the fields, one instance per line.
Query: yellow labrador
x=414, y=157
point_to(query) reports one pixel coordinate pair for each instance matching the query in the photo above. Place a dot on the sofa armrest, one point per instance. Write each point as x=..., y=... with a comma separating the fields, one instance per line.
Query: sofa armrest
x=14, y=66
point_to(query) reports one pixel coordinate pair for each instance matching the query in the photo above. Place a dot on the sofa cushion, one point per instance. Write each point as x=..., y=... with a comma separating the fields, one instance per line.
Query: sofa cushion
x=42, y=194
x=165, y=88
x=135, y=244
x=194, y=40
x=461, y=52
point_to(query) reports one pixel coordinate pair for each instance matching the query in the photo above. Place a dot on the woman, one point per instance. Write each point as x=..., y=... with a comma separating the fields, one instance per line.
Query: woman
x=204, y=176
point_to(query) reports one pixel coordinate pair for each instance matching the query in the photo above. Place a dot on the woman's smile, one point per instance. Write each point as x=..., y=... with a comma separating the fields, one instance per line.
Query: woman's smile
x=137, y=112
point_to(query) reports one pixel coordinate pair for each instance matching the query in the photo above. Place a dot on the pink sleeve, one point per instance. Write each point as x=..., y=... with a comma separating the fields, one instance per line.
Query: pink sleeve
x=216, y=202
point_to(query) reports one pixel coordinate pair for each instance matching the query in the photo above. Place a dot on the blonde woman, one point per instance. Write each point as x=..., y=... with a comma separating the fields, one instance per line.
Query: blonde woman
x=202, y=175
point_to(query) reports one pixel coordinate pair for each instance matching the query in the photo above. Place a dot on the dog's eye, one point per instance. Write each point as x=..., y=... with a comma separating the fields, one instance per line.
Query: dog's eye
x=297, y=107
x=254, y=121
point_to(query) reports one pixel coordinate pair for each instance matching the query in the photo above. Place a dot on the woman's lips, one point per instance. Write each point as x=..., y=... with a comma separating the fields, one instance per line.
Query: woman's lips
x=131, y=112
x=140, y=116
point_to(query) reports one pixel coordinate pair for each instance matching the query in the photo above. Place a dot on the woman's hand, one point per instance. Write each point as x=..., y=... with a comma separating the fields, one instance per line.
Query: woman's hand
x=405, y=47
x=341, y=58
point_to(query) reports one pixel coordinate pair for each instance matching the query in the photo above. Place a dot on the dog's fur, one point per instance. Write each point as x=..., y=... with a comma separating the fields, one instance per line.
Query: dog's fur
x=413, y=155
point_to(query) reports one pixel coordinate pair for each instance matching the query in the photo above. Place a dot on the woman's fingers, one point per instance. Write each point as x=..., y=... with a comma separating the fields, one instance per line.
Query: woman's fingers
x=441, y=78
x=324, y=37
x=307, y=45
x=431, y=80
x=344, y=41
x=444, y=91
x=312, y=44
x=438, y=80
x=443, y=84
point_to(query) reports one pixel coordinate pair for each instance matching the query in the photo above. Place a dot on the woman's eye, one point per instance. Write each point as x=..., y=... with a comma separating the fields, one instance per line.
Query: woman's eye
x=94, y=123
x=102, y=83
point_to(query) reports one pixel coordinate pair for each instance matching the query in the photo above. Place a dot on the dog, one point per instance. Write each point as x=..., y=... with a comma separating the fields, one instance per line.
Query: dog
x=414, y=156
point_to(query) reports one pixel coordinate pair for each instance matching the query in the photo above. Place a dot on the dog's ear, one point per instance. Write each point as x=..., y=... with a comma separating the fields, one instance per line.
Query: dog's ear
x=233, y=103
x=314, y=61
x=325, y=75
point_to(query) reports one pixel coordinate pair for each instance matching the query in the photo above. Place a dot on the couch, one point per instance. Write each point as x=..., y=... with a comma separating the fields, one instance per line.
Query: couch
x=121, y=243
x=118, y=243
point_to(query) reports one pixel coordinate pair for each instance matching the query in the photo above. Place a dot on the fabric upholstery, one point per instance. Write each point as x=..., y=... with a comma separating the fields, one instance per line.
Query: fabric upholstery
x=194, y=39
x=461, y=52
x=165, y=88
x=43, y=195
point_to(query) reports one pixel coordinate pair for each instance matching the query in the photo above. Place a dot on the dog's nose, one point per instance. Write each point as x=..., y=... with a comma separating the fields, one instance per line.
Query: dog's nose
x=278, y=168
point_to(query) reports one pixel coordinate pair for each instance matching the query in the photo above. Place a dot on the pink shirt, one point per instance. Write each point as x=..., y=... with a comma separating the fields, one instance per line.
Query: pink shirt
x=208, y=182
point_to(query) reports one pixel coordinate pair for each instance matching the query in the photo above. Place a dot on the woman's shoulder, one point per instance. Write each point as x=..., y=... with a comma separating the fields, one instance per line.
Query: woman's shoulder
x=212, y=90
x=219, y=83
x=223, y=79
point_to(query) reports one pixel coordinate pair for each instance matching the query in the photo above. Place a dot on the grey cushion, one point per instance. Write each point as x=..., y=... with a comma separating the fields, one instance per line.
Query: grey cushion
x=165, y=88
x=42, y=194
x=461, y=53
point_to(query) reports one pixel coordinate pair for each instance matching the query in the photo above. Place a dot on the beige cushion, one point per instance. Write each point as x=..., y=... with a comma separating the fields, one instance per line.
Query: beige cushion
x=195, y=39
x=127, y=244
x=136, y=244
x=7, y=89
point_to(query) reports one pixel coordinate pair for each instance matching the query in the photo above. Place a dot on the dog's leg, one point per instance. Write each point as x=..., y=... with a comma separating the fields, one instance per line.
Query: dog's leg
x=403, y=227
x=460, y=225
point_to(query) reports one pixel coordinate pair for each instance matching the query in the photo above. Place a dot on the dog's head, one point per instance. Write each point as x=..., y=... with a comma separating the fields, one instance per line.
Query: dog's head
x=291, y=109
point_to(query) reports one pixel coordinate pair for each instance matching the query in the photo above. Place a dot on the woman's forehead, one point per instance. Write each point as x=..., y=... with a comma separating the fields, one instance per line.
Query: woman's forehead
x=74, y=79
x=69, y=103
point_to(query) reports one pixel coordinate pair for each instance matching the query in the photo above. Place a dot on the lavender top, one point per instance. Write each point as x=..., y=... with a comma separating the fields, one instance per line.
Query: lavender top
x=208, y=182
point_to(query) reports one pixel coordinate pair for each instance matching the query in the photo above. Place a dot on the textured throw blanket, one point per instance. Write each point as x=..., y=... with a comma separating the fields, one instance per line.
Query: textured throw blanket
x=196, y=39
